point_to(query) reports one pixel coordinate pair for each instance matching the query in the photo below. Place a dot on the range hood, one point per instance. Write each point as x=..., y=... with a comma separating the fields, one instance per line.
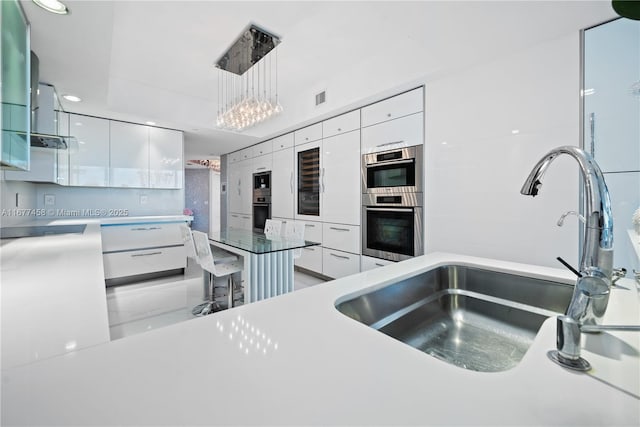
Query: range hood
x=43, y=112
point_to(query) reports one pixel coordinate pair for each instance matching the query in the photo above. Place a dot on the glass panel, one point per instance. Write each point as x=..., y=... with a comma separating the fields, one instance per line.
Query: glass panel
x=15, y=83
x=390, y=231
x=309, y=182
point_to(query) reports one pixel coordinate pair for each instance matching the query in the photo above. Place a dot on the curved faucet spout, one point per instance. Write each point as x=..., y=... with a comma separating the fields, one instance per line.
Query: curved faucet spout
x=597, y=252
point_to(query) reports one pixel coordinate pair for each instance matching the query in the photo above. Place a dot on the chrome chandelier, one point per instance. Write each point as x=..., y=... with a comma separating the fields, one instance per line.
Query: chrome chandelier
x=248, y=81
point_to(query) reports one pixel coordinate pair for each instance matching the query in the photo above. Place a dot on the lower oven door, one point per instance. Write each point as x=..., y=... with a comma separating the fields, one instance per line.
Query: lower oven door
x=392, y=233
x=261, y=213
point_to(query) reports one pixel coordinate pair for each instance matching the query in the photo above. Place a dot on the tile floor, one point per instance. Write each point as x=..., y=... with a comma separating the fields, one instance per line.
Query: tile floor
x=140, y=307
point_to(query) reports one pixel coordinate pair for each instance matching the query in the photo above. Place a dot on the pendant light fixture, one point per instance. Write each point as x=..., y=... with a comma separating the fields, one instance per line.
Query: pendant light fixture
x=248, y=80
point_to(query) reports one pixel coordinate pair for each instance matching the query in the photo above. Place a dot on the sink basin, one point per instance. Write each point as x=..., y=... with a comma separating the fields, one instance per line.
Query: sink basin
x=476, y=319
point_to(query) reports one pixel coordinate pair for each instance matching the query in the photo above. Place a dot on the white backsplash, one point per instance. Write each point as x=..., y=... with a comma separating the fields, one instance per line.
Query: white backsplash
x=136, y=202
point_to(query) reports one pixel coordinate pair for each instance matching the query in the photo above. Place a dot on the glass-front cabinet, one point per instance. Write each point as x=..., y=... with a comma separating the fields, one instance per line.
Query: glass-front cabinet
x=309, y=180
x=15, y=82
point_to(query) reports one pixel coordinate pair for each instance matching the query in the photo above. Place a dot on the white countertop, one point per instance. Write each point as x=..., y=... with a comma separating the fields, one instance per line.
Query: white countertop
x=316, y=366
x=53, y=291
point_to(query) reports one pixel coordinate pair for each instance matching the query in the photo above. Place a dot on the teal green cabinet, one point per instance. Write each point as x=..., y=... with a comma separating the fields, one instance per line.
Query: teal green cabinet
x=14, y=81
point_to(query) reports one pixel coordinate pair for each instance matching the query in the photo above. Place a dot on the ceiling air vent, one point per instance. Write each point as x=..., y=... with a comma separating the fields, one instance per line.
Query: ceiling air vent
x=321, y=97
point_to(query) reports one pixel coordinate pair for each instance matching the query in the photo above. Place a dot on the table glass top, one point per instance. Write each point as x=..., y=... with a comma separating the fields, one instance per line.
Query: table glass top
x=256, y=242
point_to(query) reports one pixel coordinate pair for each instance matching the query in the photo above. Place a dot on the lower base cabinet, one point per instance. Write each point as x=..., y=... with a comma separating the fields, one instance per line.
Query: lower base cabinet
x=310, y=259
x=133, y=263
x=238, y=220
x=336, y=264
x=369, y=263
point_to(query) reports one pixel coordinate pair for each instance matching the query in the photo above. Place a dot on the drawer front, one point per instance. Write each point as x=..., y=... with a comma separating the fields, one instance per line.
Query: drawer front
x=238, y=220
x=282, y=142
x=313, y=231
x=338, y=264
x=393, y=108
x=308, y=134
x=262, y=148
x=369, y=263
x=263, y=163
x=341, y=124
x=342, y=237
x=246, y=154
x=310, y=258
x=139, y=236
x=404, y=132
x=123, y=264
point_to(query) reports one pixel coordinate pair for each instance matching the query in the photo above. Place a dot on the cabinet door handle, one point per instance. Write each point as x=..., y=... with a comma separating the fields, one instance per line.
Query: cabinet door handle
x=592, y=128
x=338, y=229
x=145, y=228
x=246, y=217
x=235, y=216
x=261, y=168
x=323, y=186
x=309, y=249
x=339, y=129
x=339, y=256
x=239, y=186
x=309, y=225
x=147, y=254
x=291, y=182
x=388, y=114
x=379, y=265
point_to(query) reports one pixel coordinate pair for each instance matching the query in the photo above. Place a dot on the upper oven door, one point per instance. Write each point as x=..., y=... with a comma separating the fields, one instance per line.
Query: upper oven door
x=394, y=171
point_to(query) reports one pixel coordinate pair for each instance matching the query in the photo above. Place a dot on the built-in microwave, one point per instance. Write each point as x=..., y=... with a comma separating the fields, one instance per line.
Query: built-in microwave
x=393, y=171
x=392, y=226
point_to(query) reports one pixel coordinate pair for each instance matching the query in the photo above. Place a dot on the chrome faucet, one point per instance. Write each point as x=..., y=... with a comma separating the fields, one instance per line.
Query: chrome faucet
x=591, y=293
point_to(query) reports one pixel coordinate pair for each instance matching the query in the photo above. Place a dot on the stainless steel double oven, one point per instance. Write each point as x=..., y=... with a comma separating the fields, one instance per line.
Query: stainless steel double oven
x=261, y=199
x=392, y=204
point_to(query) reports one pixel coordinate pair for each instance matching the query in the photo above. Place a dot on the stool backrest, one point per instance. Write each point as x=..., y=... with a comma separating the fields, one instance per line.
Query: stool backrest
x=203, y=251
x=187, y=238
x=273, y=228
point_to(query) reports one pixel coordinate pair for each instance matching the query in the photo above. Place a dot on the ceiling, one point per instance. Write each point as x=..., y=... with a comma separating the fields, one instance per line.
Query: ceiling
x=153, y=60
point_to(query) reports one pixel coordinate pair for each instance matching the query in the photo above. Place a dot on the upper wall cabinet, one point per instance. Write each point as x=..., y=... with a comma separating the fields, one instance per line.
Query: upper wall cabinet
x=282, y=142
x=165, y=158
x=393, y=108
x=341, y=124
x=308, y=134
x=262, y=148
x=14, y=94
x=129, y=153
x=88, y=151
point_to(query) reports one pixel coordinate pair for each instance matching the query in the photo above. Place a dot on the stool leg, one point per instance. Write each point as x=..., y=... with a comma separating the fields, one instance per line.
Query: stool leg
x=230, y=292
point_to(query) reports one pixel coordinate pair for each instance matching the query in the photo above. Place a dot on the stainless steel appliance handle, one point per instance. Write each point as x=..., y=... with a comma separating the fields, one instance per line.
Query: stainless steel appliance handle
x=291, y=182
x=323, y=185
x=390, y=209
x=386, y=162
x=390, y=143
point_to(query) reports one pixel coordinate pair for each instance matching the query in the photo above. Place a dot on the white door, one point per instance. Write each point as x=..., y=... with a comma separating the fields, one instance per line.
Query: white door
x=341, y=194
x=282, y=184
x=88, y=151
x=129, y=155
x=246, y=186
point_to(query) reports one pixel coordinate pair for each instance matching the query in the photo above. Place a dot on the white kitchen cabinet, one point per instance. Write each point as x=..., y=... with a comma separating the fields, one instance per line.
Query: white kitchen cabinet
x=283, y=184
x=403, y=132
x=262, y=148
x=341, y=237
x=43, y=167
x=245, y=154
x=313, y=231
x=341, y=124
x=129, y=151
x=239, y=187
x=282, y=142
x=310, y=258
x=392, y=108
x=340, y=176
x=369, y=263
x=88, y=151
x=336, y=264
x=166, y=167
x=262, y=163
x=308, y=134
x=239, y=220
x=233, y=157
x=133, y=249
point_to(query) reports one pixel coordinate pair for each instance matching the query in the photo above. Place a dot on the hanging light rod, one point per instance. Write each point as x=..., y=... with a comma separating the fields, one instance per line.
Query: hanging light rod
x=250, y=46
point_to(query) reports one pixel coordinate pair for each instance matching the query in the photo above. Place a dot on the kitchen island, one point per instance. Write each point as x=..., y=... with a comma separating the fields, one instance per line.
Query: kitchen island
x=296, y=360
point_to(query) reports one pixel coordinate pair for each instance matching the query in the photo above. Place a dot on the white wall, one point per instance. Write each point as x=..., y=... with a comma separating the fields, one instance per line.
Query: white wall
x=26, y=200
x=137, y=201
x=473, y=201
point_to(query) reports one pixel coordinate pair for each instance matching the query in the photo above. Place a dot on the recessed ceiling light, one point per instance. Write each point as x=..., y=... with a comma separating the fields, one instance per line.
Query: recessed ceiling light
x=71, y=98
x=53, y=6
x=150, y=123
x=515, y=131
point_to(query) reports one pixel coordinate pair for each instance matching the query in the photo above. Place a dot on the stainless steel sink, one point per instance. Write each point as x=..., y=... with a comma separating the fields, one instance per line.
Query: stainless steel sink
x=477, y=319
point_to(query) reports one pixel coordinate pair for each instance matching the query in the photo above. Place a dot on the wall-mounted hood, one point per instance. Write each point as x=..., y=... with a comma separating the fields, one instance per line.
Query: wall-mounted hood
x=44, y=101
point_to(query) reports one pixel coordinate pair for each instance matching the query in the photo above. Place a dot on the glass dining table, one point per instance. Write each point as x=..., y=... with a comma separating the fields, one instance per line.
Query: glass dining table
x=268, y=260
